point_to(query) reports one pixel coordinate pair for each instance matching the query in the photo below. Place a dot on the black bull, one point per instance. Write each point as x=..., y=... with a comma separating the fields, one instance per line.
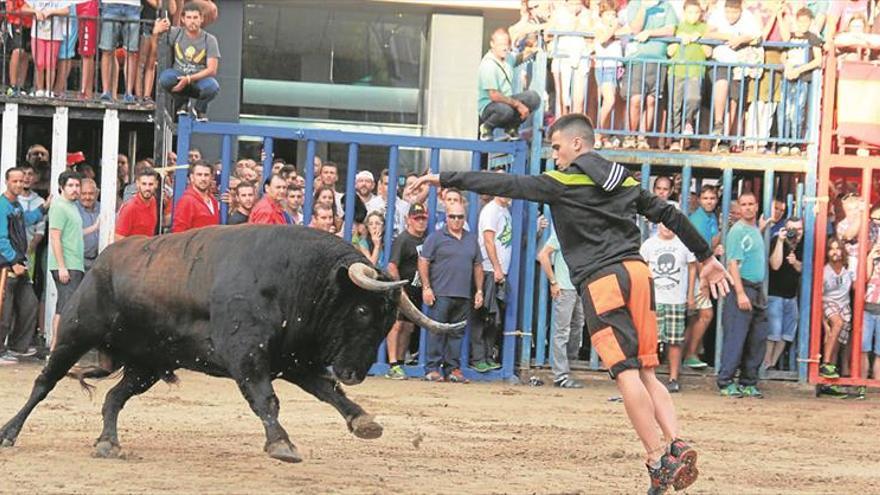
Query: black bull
x=251, y=303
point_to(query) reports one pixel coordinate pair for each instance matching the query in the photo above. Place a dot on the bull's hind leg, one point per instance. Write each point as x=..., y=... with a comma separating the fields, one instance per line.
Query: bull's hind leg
x=256, y=386
x=326, y=389
x=135, y=381
x=60, y=362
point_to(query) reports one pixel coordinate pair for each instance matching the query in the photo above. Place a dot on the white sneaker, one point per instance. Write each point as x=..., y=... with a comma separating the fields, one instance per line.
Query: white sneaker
x=39, y=93
x=7, y=359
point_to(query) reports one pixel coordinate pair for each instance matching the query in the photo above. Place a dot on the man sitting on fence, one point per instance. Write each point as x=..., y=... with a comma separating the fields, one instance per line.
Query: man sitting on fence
x=196, y=57
x=498, y=106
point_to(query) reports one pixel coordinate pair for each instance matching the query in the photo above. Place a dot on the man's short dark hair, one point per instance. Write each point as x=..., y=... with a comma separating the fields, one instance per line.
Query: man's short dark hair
x=666, y=178
x=579, y=125
x=709, y=188
x=16, y=169
x=454, y=191
x=66, y=176
x=320, y=206
x=200, y=163
x=287, y=169
x=748, y=193
x=147, y=172
x=733, y=4
x=329, y=164
x=805, y=12
x=268, y=181
x=244, y=185
x=192, y=7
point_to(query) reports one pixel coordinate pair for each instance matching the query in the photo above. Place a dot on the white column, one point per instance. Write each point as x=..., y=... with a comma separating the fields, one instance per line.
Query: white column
x=109, y=175
x=59, y=165
x=9, y=144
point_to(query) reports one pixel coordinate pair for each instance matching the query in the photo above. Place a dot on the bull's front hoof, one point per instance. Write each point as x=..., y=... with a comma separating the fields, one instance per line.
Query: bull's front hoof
x=107, y=450
x=7, y=442
x=366, y=427
x=283, y=451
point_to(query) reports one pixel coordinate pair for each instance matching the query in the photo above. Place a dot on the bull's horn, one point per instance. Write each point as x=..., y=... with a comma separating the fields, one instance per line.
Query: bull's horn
x=365, y=277
x=412, y=312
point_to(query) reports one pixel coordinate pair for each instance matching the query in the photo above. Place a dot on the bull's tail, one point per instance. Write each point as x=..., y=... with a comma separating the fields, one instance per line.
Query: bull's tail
x=82, y=374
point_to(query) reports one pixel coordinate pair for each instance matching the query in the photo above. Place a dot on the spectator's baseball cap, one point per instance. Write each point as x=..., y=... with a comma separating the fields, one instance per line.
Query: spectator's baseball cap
x=75, y=157
x=365, y=174
x=418, y=210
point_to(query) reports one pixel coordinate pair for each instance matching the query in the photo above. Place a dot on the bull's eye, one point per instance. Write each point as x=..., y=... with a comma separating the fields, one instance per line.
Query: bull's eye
x=361, y=312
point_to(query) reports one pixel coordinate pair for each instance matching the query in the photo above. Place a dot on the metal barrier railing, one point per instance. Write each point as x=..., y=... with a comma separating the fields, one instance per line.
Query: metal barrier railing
x=58, y=44
x=517, y=151
x=792, y=111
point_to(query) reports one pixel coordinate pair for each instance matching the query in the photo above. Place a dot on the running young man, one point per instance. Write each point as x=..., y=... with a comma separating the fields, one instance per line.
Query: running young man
x=593, y=202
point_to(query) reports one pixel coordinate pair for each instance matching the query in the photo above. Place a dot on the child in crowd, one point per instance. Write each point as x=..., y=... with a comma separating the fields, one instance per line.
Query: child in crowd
x=609, y=52
x=799, y=65
x=47, y=35
x=687, y=78
x=19, y=22
x=673, y=269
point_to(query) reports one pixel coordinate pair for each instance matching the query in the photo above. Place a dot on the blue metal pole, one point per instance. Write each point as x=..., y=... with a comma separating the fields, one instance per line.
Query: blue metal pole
x=685, y=188
x=310, y=181
x=646, y=185
x=268, y=157
x=349, y=190
x=726, y=194
x=184, y=135
x=768, y=210
x=391, y=201
x=226, y=160
x=434, y=167
x=473, y=198
x=513, y=278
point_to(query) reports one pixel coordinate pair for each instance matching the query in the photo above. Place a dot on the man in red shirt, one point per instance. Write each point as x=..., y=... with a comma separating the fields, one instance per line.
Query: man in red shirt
x=138, y=216
x=197, y=208
x=269, y=210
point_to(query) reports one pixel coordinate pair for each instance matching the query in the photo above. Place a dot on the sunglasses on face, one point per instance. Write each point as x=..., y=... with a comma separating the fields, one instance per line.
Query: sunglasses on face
x=456, y=217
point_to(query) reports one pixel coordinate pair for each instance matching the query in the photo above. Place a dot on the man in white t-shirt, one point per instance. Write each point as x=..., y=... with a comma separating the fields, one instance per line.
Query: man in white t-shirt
x=739, y=28
x=674, y=270
x=496, y=246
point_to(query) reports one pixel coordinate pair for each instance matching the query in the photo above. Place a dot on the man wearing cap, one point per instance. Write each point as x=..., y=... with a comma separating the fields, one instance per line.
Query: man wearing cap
x=403, y=265
x=363, y=184
x=269, y=210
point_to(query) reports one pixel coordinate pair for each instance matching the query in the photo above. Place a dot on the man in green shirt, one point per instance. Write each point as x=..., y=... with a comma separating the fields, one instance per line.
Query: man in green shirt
x=66, y=262
x=687, y=76
x=745, y=309
x=497, y=105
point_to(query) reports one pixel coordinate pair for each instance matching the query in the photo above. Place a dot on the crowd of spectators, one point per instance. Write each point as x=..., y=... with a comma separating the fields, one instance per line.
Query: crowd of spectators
x=56, y=37
x=676, y=68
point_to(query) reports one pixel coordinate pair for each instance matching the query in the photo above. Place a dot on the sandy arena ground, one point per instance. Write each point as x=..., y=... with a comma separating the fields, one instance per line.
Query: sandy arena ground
x=200, y=437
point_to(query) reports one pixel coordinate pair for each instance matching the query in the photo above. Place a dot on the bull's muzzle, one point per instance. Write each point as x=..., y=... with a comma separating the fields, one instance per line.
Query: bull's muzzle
x=366, y=277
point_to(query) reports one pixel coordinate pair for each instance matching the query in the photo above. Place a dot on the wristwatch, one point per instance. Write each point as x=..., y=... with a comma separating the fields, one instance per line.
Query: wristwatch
x=554, y=282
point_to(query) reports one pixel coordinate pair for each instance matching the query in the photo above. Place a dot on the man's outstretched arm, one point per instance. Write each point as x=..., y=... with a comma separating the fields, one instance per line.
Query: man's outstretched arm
x=539, y=188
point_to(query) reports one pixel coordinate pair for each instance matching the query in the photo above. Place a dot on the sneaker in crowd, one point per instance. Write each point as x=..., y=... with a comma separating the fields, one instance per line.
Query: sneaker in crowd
x=694, y=362
x=40, y=93
x=795, y=151
x=129, y=99
x=861, y=393
x=828, y=371
x=687, y=456
x=493, y=365
x=614, y=142
x=783, y=150
x=434, y=376
x=10, y=91
x=629, y=142
x=31, y=351
x=485, y=132
x=731, y=390
x=512, y=133
x=835, y=391
x=863, y=152
x=456, y=376
x=396, y=373
x=106, y=98
x=752, y=392
x=673, y=386
x=7, y=359
x=642, y=143
x=201, y=116
x=481, y=367
x=568, y=382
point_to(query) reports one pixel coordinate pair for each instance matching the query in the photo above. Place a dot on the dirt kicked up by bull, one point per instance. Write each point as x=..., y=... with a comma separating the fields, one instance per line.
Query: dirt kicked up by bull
x=250, y=303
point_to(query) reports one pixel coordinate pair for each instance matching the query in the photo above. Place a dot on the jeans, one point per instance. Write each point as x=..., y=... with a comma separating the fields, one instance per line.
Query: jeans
x=20, y=305
x=568, y=328
x=871, y=335
x=795, y=109
x=502, y=115
x=203, y=90
x=445, y=349
x=782, y=314
x=745, y=341
x=120, y=21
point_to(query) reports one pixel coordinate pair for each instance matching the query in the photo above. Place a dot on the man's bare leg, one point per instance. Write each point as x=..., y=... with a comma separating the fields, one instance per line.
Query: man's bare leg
x=639, y=405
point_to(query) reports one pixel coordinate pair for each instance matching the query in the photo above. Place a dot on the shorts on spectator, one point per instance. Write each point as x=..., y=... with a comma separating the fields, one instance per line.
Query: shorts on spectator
x=607, y=75
x=115, y=32
x=618, y=302
x=65, y=291
x=19, y=37
x=782, y=315
x=67, y=50
x=726, y=74
x=643, y=77
x=701, y=301
x=830, y=309
x=88, y=29
x=671, y=322
x=871, y=334
x=559, y=64
x=45, y=53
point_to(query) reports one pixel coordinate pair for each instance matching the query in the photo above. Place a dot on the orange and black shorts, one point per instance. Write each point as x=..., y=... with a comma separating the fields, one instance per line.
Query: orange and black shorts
x=619, y=309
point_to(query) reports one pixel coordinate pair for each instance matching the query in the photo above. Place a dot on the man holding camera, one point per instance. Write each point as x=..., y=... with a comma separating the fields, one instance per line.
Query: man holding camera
x=786, y=255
